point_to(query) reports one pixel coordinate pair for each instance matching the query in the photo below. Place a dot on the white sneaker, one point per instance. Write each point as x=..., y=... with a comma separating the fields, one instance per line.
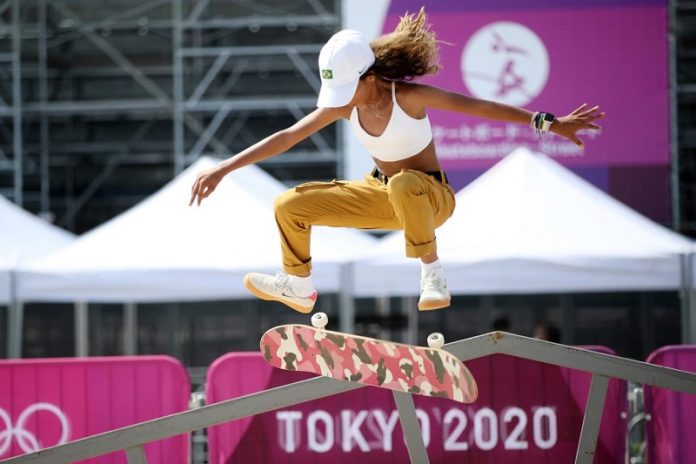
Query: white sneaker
x=434, y=292
x=278, y=288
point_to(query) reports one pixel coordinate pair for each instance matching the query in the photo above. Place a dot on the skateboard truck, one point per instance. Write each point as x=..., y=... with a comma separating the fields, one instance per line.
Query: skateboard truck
x=436, y=340
x=319, y=320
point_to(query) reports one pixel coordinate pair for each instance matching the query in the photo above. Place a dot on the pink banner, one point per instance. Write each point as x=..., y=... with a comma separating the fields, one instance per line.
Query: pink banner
x=47, y=402
x=669, y=432
x=526, y=412
x=554, y=56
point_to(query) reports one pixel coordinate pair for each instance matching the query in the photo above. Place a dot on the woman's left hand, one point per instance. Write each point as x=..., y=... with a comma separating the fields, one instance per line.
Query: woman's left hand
x=582, y=118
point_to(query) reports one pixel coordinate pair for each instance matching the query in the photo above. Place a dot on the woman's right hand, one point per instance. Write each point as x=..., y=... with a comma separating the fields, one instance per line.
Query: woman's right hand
x=205, y=184
x=281, y=141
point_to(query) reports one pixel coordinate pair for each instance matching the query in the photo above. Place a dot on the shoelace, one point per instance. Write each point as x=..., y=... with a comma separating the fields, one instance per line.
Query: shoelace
x=433, y=281
x=282, y=282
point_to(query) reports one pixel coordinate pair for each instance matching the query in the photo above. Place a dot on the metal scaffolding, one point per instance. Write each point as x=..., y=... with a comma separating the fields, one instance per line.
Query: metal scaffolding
x=107, y=104
x=683, y=92
x=10, y=98
x=101, y=106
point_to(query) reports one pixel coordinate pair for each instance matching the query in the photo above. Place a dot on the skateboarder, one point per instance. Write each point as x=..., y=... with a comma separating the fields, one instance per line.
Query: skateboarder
x=369, y=84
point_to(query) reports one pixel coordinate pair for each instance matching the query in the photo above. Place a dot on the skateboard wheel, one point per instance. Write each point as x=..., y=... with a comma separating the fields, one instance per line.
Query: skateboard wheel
x=319, y=320
x=436, y=340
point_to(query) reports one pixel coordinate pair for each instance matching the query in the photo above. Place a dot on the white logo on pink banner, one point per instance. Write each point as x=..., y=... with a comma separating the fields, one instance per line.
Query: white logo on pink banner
x=505, y=62
x=27, y=440
x=513, y=428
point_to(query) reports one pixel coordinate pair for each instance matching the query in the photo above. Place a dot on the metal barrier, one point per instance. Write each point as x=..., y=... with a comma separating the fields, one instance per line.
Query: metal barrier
x=602, y=366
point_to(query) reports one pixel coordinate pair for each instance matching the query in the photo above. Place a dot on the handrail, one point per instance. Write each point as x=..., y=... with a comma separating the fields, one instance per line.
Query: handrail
x=602, y=366
x=574, y=358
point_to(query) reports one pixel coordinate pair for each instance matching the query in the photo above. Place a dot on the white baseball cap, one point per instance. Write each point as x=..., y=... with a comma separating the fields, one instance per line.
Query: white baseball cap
x=344, y=58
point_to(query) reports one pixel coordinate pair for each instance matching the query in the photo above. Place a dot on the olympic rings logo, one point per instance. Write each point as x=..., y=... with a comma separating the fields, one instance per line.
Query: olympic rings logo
x=27, y=440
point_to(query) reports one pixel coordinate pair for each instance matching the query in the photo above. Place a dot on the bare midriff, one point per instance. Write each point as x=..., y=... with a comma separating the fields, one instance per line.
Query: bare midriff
x=425, y=161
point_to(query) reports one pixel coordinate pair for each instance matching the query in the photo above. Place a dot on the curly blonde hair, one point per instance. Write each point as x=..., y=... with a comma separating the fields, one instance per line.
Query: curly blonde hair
x=410, y=51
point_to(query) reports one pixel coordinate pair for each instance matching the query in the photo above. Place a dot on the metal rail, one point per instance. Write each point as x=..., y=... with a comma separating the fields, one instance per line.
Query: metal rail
x=602, y=366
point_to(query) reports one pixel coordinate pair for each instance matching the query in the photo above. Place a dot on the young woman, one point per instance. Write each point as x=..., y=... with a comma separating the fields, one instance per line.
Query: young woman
x=369, y=85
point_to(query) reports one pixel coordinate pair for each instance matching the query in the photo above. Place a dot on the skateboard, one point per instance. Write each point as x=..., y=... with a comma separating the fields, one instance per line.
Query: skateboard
x=424, y=371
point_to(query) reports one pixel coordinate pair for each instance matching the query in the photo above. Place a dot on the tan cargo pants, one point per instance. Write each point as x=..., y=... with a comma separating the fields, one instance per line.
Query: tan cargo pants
x=412, y=201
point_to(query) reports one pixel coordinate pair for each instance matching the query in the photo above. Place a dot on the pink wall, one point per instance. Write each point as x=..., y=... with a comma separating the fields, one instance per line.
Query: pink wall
x=526, y=412
x=45, y=402
x=673, y=414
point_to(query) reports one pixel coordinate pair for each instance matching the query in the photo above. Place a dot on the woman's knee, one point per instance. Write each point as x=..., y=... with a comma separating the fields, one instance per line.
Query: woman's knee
x=286, y=202
x=405, y=183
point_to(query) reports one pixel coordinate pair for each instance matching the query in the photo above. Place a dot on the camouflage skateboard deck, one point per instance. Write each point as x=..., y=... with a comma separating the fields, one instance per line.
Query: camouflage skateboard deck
x=412, y=369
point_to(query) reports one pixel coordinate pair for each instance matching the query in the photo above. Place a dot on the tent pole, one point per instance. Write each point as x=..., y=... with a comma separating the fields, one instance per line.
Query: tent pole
x=567, y=318
x=383, y=305
x=130, y=329
x=691, y=297
x=81, y=329
x=687, y=300
x=15, y=321
x=410, y=308
x=346, y=306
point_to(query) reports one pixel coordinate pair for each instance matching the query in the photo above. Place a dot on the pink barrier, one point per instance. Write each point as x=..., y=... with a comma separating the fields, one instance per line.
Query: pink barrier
x=526, y=412
x=669, y=433
x=45, y=402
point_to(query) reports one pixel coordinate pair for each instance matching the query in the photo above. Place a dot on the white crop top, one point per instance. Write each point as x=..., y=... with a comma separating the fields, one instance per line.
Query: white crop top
x=404, y=136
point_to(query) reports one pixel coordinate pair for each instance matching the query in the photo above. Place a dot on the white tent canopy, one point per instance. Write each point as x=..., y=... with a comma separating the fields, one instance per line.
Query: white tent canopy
x=5, y=282
x=23, y=237
x=164, y=250
x=528, y=225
